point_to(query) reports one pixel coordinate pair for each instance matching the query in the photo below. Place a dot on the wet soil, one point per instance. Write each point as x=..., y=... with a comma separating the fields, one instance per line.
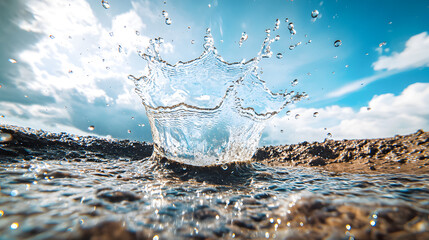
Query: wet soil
x=61, y=186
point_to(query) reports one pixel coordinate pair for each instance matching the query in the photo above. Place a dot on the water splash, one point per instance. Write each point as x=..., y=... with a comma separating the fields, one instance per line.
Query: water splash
x=207, y=111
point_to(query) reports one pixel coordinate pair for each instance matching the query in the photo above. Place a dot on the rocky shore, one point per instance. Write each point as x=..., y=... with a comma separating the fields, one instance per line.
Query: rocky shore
x=399, y=154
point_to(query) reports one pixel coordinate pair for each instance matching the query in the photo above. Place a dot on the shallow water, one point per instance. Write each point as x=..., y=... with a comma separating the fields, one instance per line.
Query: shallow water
x=93, y=195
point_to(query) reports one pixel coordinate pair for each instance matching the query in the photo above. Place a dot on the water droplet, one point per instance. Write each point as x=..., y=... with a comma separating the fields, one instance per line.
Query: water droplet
x=309, y=41
x=224, y=167
x=14, y=225
x=293, y=31
x=294, y=82
x=129, y=131
x=119, y=48
x=373, y=223
x=279, y=55
x=91, y=128
x=132, y=118
x=382, y=44
x=51, y=36
x=105, y=4
x=243, y=38
x=297, y=116
x=12, y=60
x=329, y=135
x=164, y=13
x=390, y=23
x=337, y=43
x=210, y=5
x=287, y=20
x=315, y=114
x=348, y=227
x=290, y=26
x=267, y=31
x=314, y=14
x=168, y=21
x=277, y=24
x=111, y=34
x=192, y=41
x=107, y=68
x=368, y=109
x=141, y=125
x=70, y=71
x=347, y=66
x=277, y=38
x=137, y=33
x=155, y=237
x=291, y=47
x=5, y=137
x=288, y=113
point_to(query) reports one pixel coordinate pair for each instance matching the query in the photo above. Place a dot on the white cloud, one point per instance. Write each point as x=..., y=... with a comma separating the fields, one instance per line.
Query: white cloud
x=358, y=84
x=415, y=54
x=80, y=45
x=388, y=115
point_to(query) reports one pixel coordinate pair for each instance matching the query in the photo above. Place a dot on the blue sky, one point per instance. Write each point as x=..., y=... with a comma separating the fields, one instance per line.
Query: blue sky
x=78, y=78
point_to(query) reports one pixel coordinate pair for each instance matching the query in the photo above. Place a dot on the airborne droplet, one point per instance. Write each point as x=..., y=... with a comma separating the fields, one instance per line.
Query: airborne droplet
x=315, y=114
x=11, y=60
x=91, y=128
x=224, y=167
x=168, y=21
x=291, y=47
x=290, y=26
x=337, y=43
x=192, y=41
x=294, y=83
x=329, y=135
x=164, y=13
x=129, y=131
x=243, y=38
x=105, y=4
x=277, y=24
x=382, y=44
x=297, y=116
x=314, y=14
x=279, y=55
x=51, y=36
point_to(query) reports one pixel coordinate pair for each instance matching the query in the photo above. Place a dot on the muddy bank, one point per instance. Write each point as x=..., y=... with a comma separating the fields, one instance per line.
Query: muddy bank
x=399, y=154
x=61, y=186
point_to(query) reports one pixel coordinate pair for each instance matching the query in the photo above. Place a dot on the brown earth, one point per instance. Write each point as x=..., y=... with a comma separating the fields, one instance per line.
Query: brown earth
x=400, y=154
